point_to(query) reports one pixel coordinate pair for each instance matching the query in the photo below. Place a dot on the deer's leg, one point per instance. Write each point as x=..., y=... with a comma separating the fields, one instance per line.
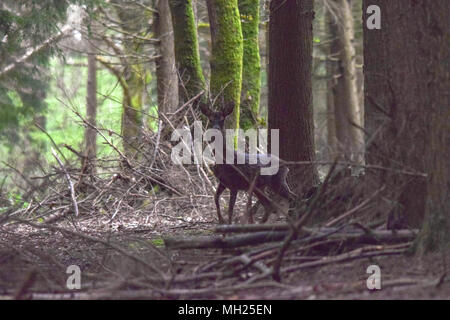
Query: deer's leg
x=280, y=185
x=248, y=218
x=268, y=208
x=220, y=189
x=285, y=192
x=233, y=195
x=249, y=211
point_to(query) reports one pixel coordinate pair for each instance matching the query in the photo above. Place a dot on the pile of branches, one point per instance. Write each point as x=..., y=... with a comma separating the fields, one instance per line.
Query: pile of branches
x=342, y=220
x=81, y=186
x=273, y=251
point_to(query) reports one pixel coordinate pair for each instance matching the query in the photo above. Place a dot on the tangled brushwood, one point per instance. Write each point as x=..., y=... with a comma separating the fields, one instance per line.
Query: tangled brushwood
x=143, y=227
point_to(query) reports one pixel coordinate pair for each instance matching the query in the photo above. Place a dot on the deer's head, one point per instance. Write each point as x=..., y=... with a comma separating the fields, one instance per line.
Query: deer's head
x=217, y=118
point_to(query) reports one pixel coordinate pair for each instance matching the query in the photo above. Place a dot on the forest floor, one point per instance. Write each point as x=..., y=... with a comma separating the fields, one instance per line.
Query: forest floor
x=33, y=263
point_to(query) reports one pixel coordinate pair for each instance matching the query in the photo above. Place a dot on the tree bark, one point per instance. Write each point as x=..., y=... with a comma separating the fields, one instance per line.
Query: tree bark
x=251, y=68
x=226, y=55
x=186, y=50
x=166, y=75
x=332, y=87
x=407, y=99
x=290, y=92
x=349, y=133
x=436, y=44
x=135, y=77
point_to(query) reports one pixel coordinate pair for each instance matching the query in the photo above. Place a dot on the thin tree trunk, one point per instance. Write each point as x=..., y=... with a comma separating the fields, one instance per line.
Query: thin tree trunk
x=227, y=54
x=349, y=133
x=90, y=134
x=331, y=87
x=290, y=92
x=166, y=75
x=251, y=68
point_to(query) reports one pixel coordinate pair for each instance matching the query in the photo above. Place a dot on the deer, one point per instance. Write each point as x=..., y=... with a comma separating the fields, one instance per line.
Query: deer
x=246, y=176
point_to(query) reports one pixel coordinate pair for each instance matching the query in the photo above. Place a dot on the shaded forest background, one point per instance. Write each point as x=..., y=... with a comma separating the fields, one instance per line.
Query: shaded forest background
x=91, y=91
x=60, y=76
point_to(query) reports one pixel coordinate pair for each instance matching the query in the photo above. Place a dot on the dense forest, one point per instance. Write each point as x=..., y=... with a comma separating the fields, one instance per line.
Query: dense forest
x=224, y=149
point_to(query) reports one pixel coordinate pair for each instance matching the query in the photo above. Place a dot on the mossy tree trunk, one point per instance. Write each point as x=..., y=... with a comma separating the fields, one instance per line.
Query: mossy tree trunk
x=134, y=77
x=251, y=67
x=132, y=109
x=227, y=54
x=186, y=49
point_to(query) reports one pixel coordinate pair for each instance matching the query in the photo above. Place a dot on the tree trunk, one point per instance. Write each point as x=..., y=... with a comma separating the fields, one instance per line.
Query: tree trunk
x=135, y=76
x=332, y=86
x=166, y=75
x=349, y=133
x=226, y=55
x=436, y=43
x=407, y=98
x=186, y=49
x=90, y=135
x=251, y=68
x=290, y=92
x=132, y=109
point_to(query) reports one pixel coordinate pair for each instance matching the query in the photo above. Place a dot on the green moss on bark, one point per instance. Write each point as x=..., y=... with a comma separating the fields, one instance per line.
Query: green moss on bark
x=133, y=80
x=132, y=108
x=186, y=49
x=227, y=54
x=251, y=68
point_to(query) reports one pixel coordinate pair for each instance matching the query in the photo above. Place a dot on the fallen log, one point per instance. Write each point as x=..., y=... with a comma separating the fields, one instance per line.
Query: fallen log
x=220, y=242
x=243, y=228
x=350, y=237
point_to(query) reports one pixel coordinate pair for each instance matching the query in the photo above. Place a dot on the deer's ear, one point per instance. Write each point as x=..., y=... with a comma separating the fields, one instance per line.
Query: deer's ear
x=229, y=107
x=205, y=109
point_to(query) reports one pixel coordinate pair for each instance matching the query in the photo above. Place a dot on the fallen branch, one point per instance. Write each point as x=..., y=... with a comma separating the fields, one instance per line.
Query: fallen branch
x=295, y=228
x=240, y=228
x=355, y=209
x=109, y=244
x=347, y=237
x=221, y=242
x=345, y=257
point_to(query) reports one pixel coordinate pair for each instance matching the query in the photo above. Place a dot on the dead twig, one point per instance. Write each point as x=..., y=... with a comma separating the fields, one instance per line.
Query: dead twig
x=301, y=222
x=69, y=180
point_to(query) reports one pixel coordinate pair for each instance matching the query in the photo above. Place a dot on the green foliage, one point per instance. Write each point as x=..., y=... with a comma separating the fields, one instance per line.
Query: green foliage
x=62, y=124
x=13, y=199
x=158, y=242
x=153, y=116
x=25, y=24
